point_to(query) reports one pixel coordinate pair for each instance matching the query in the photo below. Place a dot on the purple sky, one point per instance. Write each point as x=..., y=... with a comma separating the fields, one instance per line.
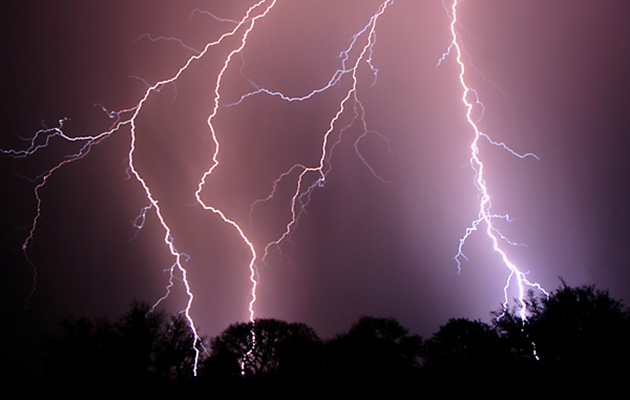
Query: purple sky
x=552, y=77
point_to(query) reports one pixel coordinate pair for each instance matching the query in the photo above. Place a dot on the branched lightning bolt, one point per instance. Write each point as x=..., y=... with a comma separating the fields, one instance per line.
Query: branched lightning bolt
x=307, y=176
x=485, y=215
x=249, y=22
x=215, y=160
x=128, y=117
x=215, y=163
x=46, y=135
x=302, y=194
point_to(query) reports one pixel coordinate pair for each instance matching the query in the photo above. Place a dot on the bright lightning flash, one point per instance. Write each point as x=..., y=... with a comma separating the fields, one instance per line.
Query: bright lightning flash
x=302, y=194
x=358, y=53
x=485, y=215
x=128, y=117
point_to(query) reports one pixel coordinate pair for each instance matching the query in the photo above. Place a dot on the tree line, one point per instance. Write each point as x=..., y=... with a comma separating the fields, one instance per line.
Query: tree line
x=575, y=332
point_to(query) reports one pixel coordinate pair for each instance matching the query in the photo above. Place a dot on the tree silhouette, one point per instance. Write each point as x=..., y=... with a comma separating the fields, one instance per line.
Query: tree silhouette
x=138, y=336
x=82, y=350
x=463, y=347
x=267, y=347
x=373, y=347
x=142, y=345
x=174, y=352
x=575, y=331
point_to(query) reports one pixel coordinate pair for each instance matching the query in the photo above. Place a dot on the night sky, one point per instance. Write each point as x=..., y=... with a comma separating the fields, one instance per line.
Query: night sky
x=552, y=76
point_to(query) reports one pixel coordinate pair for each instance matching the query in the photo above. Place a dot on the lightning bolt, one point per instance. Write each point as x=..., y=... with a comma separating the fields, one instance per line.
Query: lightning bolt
x=485, y=216
x=215, y=163
x=307, y=176
x=302, y=193
x=44, y=136
x=128, y=117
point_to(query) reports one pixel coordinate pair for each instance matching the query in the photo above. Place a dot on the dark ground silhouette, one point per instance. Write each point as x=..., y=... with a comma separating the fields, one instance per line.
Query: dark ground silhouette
x=574, y=334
